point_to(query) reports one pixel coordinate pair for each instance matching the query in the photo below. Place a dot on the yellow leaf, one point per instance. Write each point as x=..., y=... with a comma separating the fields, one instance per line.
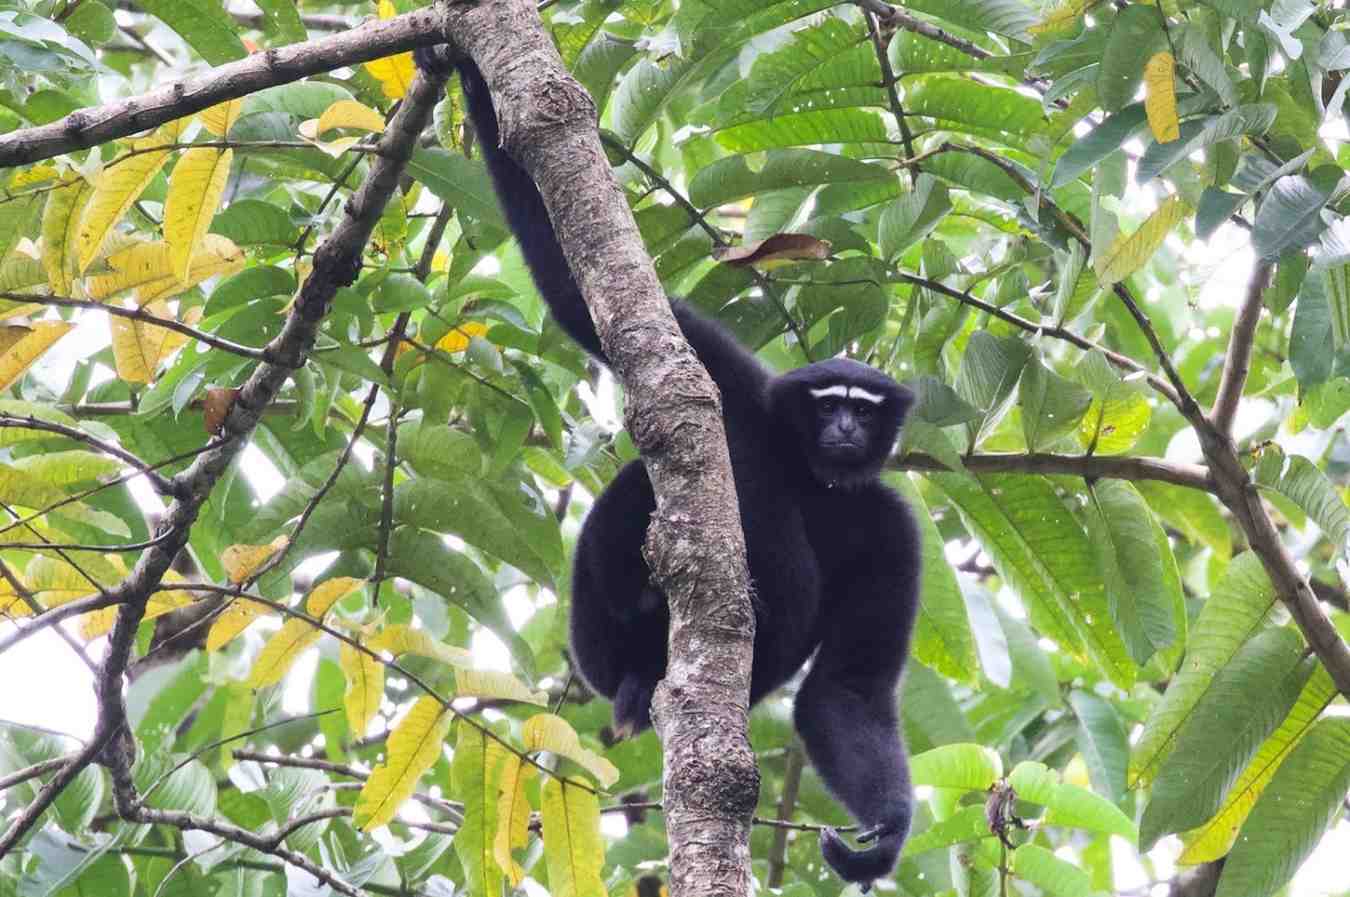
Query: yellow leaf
x=1128, y=254
x=330, y=592
x=474, y=780
x=493, y=684
x=232, y=621
x=27, y=177
x=281, y=650
x=1160, y=97
x=120, y=185
x=513, y=816
x=60, y=221
x=1063, y=15
x=138, y=347
x=147, y=268
x=241, y=560
x=100, y=622
x=413, y=747
x=402, y=639
x=395, y=74
x=457, y=340
x=547, y=732
x=222, y=116
x=195, y=189
x=53, y=581
x=365, y=687
x=573, y=848
x=33, y=340
x=350, y=114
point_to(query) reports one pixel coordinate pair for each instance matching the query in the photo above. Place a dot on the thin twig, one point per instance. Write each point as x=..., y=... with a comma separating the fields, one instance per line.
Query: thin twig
x=162, y=484
x=143, y=317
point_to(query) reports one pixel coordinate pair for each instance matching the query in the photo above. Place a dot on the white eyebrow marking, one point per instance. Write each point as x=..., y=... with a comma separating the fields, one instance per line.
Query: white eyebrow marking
x=857, y=392
x=838, y=392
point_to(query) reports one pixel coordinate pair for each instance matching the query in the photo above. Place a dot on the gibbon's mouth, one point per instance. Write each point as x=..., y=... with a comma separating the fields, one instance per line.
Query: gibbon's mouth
x=842, y=447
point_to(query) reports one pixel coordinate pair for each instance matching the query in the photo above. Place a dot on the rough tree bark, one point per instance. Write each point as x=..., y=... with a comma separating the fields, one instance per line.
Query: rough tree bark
x=694, y=546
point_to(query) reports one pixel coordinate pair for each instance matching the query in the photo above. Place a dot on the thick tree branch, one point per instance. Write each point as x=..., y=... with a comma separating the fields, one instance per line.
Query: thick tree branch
x=694, y=546
x=89, y=127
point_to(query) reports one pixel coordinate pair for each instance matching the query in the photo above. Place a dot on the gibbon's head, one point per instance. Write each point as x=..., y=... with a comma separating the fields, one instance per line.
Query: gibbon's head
x=845, y=415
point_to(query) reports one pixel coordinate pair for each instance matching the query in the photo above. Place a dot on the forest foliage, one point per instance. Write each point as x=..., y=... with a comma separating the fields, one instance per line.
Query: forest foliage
x=1069, y=228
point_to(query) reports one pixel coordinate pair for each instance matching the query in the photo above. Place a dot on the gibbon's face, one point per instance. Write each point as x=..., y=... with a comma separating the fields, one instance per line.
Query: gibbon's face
x=847, y=423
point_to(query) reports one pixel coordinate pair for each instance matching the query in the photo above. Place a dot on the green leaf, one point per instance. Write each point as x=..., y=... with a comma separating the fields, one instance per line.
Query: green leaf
x=423, y=558
x=1199, y=134
x=1075, y=807
x=281, y=21
x=1119, y=413
x=776, y=75
x=643, y=94
x=805, y=129
x=1192, y=512
x=966, y=824
x=1049, y=873
x=252, y=222
x=942, y=637
x=462, y=182
x=1239, y=607
x=1291, y=814
x=1132, y=566
x=204, y=24
x=1243, y=705
x=1290, y=216
x=1051, y=405
x=1216, y=207
x=93, y=23
x=1135, y=35
x=930, y=715
x=913, y=216
x=1213, y=839
x=1102, y=742
x=733, y=178
x=1010, y=18
x=1100, y=142
x=1300, y=480
x=970, y=767
x=502, y=521
x=1044, y=554
x=966, y=106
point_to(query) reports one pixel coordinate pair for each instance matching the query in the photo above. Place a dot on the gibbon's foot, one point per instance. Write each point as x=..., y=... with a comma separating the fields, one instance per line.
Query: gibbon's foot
x=633, y=706
x=881, y=830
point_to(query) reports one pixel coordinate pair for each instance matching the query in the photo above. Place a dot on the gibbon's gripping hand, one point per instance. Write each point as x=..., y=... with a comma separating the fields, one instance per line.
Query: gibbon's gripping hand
x=633, y=706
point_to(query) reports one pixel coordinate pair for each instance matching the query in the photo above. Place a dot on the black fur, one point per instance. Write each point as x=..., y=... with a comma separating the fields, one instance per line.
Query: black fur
x=834, y=554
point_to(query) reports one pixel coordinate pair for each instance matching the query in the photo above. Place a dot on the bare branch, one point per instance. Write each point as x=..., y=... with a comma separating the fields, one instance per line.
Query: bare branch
x=1238, y=360
x=89, y=127
x=1113, y=467
x=20, y=776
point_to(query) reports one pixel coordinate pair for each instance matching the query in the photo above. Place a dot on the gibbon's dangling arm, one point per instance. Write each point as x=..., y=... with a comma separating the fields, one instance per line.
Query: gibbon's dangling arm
x=525, y=213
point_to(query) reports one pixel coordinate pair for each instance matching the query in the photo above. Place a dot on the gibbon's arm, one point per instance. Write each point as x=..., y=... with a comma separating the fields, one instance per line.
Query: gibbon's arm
x=529, y=221
x=731, y=366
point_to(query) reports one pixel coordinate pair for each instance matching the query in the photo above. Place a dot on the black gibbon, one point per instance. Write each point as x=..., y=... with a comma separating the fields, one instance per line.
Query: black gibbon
x=833, y=553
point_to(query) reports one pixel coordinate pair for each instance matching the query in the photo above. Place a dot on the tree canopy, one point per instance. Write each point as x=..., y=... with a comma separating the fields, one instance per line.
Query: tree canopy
x=288, y=443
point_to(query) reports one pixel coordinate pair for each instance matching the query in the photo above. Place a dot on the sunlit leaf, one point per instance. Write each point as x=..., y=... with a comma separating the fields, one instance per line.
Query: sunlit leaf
x=365, y=687
x=195, y=189
x=413, y=746
x=1160, y=97
x=547, y=732
x=573, y=847
x=281, y=651
x=513, y=816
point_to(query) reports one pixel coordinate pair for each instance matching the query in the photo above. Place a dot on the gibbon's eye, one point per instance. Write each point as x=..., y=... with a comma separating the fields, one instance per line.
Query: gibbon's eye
x=864, y=411
x=829, y=406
